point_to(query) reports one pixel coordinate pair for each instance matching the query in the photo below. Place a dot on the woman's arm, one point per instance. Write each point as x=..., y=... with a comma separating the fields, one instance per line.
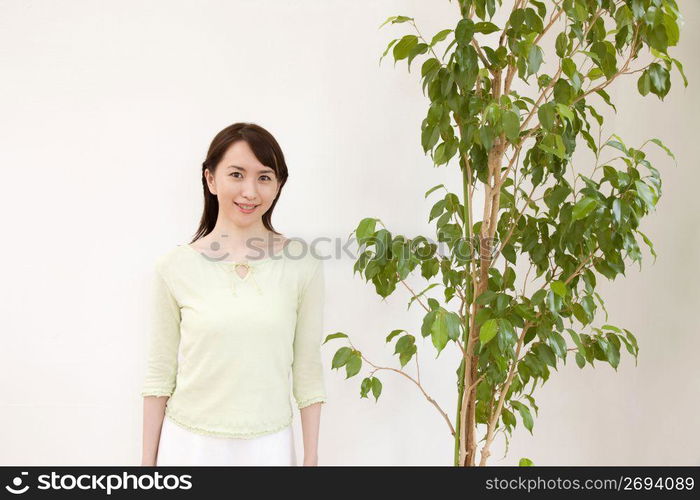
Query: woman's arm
x=161, y=370
x=310, y=422
x=153, y=415
x=307, y=367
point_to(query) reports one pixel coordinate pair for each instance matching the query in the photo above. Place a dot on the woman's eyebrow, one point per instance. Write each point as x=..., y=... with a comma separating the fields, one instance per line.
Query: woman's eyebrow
x=261, y=171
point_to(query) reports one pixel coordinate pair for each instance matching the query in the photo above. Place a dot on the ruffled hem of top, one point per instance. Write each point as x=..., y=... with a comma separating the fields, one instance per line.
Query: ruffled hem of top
x=308, y=402
x=243, y=434
x=156, y=392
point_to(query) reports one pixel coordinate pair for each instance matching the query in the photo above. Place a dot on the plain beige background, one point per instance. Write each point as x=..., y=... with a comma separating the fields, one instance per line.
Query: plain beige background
x=108, y=110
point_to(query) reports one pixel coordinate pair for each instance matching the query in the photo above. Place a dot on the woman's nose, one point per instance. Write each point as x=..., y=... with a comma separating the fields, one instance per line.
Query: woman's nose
x=250, y=190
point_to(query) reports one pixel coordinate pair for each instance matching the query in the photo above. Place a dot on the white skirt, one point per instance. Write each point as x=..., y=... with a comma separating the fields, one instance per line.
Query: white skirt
x=180, y=446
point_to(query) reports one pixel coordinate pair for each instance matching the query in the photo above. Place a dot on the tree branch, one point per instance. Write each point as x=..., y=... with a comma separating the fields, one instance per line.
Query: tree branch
x=431, y=400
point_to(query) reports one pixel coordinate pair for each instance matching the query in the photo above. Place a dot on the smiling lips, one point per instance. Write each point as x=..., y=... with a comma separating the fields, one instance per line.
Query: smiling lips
x=246, y=209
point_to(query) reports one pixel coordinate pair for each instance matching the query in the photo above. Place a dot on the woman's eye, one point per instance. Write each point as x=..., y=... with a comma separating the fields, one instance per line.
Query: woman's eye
x=267, y=177
x=234, y=174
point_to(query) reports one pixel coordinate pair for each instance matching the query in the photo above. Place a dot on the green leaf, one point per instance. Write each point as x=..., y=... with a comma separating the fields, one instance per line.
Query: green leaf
x=404, y=343
x=440, y=36
x=672, y=30
x=538, y=296
x=396, y=20
x=434, y=188
x=546, y=354
x=341, y=357
x=335, y=336
x=352, y=367
x=485, y=28
x=553, y=144
x=606, y=98
x=554, y=302
x=555, y=197
x=561, y=44
x=558, y=344
x=437, y=210
x=606, y=58
x=388, y=47
x=509, y=279
x=584, y=207
x=508, y=417
x=617, y=210
x=427, y=325
x=403, y=48
x=486, y=297
x=488, y=331
x=453, y=325
x=509, y=253
x=665, y=148
x=563, y=92
x=534, y=60
x=511, y=125
x=644, y=83
x=565, y=112
x=429, y=137
x=365, y=229
x=393, y=334
x=546, y=115
x=438, y=331
x=648, y=242
x=569, y=68
x=376, y=388
x=407, y=354
x=533, y=21
x=525, y=462
x=559, y=288
x=464, y=31
x=429, y=66
x=418, y=49
x=580, y=314
x=657, y=38
x=659, y=79
x=365, y=387
x=645, y=193
x=575, y=337
x=506, y=335
x=406, y=348
x=612, y=351
x=679, y=66
x=524, y=414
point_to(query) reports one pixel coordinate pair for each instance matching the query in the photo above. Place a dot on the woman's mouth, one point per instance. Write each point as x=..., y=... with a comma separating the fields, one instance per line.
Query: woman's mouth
x=246, y=209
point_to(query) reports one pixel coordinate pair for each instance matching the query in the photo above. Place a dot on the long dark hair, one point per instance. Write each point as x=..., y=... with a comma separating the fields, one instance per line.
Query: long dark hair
x=266, y=150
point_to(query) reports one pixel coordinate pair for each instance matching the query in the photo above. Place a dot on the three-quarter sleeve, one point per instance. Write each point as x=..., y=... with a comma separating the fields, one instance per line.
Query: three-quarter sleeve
x=162, y=359
x=307, y=369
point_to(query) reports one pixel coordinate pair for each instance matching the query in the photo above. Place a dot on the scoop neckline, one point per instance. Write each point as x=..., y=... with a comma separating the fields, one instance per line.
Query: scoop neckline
x=246, y=262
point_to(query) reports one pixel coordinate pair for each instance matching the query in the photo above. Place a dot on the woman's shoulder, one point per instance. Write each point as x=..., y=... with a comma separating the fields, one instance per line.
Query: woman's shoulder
x=307, y=259
x=302, y=251
x=172, y=257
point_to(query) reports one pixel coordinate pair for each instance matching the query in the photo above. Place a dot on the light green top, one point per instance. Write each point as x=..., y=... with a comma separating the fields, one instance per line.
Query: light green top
x=222, y=346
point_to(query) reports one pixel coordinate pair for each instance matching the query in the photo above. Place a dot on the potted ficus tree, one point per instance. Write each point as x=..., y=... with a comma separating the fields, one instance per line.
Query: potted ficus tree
x=515, y=292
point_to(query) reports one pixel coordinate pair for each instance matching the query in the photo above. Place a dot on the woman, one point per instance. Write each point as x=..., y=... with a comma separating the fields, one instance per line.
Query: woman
x=232, y=318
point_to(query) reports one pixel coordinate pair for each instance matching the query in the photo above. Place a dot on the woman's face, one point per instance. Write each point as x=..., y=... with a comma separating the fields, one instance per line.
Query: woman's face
x=242, y=181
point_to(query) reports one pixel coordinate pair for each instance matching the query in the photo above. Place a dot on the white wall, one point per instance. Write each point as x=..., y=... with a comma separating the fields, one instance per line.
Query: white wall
x=108, y=110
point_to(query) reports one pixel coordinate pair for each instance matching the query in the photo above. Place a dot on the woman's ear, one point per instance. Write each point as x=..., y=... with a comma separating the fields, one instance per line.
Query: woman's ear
x=211, y=182
x=279, y=188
